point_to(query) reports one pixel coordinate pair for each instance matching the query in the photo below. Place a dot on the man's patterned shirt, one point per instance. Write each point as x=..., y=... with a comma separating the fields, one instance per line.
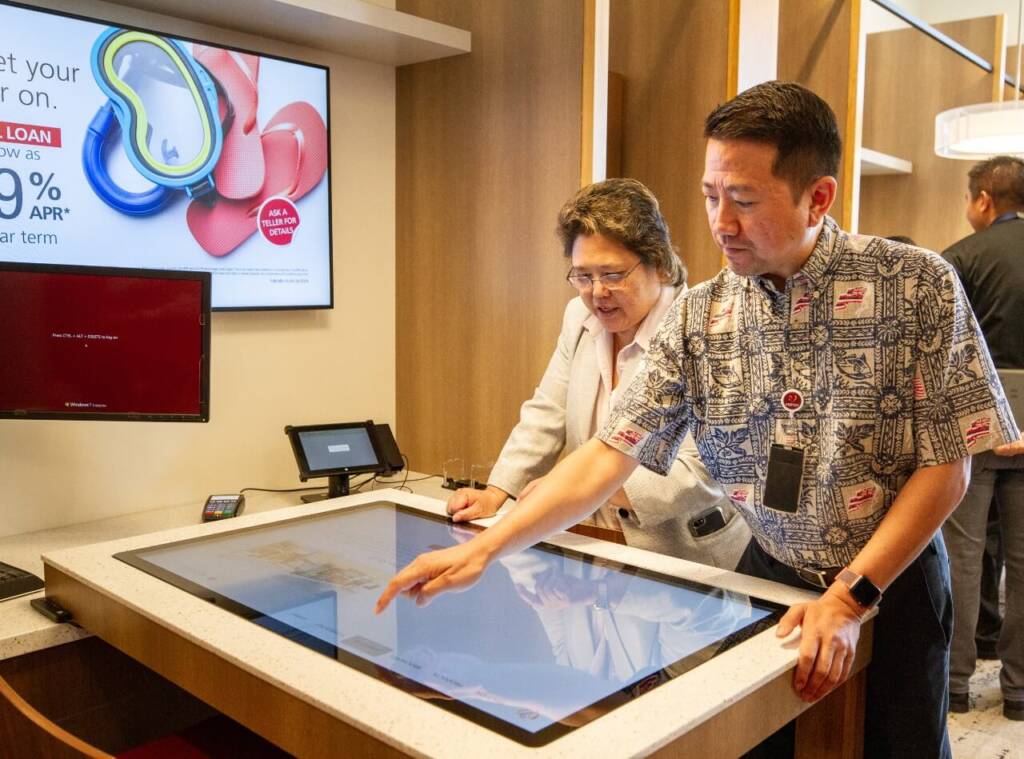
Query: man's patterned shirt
x=880, y=340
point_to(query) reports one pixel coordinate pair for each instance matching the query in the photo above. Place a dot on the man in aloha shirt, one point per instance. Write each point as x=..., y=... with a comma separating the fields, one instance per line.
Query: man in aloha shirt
x=888, y=390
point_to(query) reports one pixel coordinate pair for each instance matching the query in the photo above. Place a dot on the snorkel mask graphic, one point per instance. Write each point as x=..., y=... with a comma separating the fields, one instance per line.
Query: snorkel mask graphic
x=166, y=106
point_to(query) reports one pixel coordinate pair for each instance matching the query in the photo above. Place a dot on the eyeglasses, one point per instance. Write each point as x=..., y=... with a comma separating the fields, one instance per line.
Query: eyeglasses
x=611, y=280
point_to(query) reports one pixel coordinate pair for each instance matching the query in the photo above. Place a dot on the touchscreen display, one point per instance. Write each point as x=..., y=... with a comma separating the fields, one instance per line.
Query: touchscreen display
x=343, y=448
x=548, y=640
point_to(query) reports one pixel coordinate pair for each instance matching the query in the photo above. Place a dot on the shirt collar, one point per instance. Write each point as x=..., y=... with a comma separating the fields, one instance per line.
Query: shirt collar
x=1007, y=217
x=817, y=265
x=649, y=326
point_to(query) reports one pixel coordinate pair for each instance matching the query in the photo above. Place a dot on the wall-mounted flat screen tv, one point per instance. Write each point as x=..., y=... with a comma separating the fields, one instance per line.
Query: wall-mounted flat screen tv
x=128, y=147
x=94, y=343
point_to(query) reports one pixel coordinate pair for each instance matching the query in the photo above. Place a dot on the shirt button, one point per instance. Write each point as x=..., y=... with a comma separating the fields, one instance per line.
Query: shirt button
x=816, y=295
x=624, y=513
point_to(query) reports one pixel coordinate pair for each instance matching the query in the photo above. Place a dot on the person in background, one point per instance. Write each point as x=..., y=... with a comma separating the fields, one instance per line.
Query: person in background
x=990, y=616
x=819, y=377
x=627, y=274
x=990, y=265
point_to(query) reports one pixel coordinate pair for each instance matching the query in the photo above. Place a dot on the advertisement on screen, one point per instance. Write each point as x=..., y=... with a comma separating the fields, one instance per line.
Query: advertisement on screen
x=131, y=148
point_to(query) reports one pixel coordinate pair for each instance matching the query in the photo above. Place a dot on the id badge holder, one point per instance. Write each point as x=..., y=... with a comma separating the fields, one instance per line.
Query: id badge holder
x=784, y=479
x=785, y=474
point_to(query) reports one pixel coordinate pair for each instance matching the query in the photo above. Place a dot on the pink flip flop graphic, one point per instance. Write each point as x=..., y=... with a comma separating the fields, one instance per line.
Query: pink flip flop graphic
x=240, y=171
x=294, y=147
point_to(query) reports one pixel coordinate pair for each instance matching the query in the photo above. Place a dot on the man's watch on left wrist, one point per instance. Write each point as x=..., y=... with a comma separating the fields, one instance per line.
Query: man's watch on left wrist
x=864, y=592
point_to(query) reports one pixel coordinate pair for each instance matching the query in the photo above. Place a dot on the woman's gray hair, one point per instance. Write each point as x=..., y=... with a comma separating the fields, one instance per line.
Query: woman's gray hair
x=627, y=212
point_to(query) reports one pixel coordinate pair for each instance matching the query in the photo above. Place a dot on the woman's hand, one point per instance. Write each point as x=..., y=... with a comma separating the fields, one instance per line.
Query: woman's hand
x=470, y=503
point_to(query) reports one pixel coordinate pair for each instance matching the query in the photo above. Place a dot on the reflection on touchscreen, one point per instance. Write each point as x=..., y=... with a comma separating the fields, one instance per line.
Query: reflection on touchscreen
x=471, y=679
x=548, y=639
x=616, y=625
x=604, y=630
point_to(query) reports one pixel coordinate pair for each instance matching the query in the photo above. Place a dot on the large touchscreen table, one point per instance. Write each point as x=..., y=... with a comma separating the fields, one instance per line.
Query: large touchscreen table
x=548, y=640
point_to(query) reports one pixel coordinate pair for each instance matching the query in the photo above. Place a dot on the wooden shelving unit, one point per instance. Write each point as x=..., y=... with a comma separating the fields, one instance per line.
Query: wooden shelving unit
x=874, y=163
x=354, y=28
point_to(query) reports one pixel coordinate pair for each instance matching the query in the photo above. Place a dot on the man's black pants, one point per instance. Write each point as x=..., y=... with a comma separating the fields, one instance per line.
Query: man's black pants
x=908, y=677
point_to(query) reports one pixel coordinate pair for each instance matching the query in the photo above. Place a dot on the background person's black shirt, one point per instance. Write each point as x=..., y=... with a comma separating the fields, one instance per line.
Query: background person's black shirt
x=991, y=266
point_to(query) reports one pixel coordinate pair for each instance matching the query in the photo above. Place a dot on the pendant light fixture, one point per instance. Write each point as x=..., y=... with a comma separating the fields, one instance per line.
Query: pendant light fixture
x=976, y=132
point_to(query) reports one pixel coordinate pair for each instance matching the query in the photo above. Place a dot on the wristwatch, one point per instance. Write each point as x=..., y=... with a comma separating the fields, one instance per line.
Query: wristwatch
x=864, y=592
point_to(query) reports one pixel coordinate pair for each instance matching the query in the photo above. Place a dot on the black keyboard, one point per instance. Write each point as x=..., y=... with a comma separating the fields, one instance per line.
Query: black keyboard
x=17, y=582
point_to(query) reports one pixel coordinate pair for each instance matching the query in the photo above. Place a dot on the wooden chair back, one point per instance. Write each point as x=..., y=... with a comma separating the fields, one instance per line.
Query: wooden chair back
x=24, y=732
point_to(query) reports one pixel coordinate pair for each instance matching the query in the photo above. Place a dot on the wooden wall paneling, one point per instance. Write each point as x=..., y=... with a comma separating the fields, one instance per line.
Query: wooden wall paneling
x=909, y=79
x=673, y=58
x=732, y=66
x=613, y=147
x=1002, y=63
x=1010, y=67
x=595, y=93
x=488, y=149
x=819, y=47
x=587, y=94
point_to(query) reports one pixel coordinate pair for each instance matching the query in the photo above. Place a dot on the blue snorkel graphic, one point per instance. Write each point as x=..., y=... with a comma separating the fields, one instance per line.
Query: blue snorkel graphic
x=124, y=63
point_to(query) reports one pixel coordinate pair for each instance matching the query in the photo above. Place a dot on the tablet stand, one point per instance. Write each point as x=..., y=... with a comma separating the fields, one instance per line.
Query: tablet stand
x=337, y=486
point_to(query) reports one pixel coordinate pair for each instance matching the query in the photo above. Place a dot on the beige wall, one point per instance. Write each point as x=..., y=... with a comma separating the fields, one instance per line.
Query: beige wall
x=269, y=369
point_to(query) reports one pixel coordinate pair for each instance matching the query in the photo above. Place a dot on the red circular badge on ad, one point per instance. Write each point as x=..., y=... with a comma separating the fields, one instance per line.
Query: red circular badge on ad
x=277, y=220
x=793, y=401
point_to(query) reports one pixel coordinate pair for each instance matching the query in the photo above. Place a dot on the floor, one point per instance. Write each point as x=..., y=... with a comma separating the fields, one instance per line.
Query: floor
x=983, y=732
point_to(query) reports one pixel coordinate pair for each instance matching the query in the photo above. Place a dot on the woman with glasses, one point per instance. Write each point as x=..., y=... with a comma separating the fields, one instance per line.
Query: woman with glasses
x=627, y=274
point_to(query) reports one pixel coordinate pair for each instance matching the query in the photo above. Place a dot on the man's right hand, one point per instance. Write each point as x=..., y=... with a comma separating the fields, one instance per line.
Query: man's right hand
x=1014, y=448
x=455, y=569
x=469, y=503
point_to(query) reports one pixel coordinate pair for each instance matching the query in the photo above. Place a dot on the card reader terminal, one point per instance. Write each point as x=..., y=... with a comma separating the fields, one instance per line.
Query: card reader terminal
x=223, y=507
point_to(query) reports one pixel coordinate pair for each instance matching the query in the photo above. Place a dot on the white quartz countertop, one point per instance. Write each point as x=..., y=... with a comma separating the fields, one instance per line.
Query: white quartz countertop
x=23, y=630
x=414, y=726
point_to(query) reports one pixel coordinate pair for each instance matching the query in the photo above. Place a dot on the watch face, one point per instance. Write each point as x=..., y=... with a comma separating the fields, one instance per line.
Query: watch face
x=864, y=592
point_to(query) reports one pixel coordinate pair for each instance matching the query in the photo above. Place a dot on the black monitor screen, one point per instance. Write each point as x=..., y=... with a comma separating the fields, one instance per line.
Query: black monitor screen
x=548, y=640
x=99, y=343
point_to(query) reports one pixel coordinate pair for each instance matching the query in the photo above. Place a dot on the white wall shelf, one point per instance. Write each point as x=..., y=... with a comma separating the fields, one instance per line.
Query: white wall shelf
x=874, y=163
x=355, y=28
